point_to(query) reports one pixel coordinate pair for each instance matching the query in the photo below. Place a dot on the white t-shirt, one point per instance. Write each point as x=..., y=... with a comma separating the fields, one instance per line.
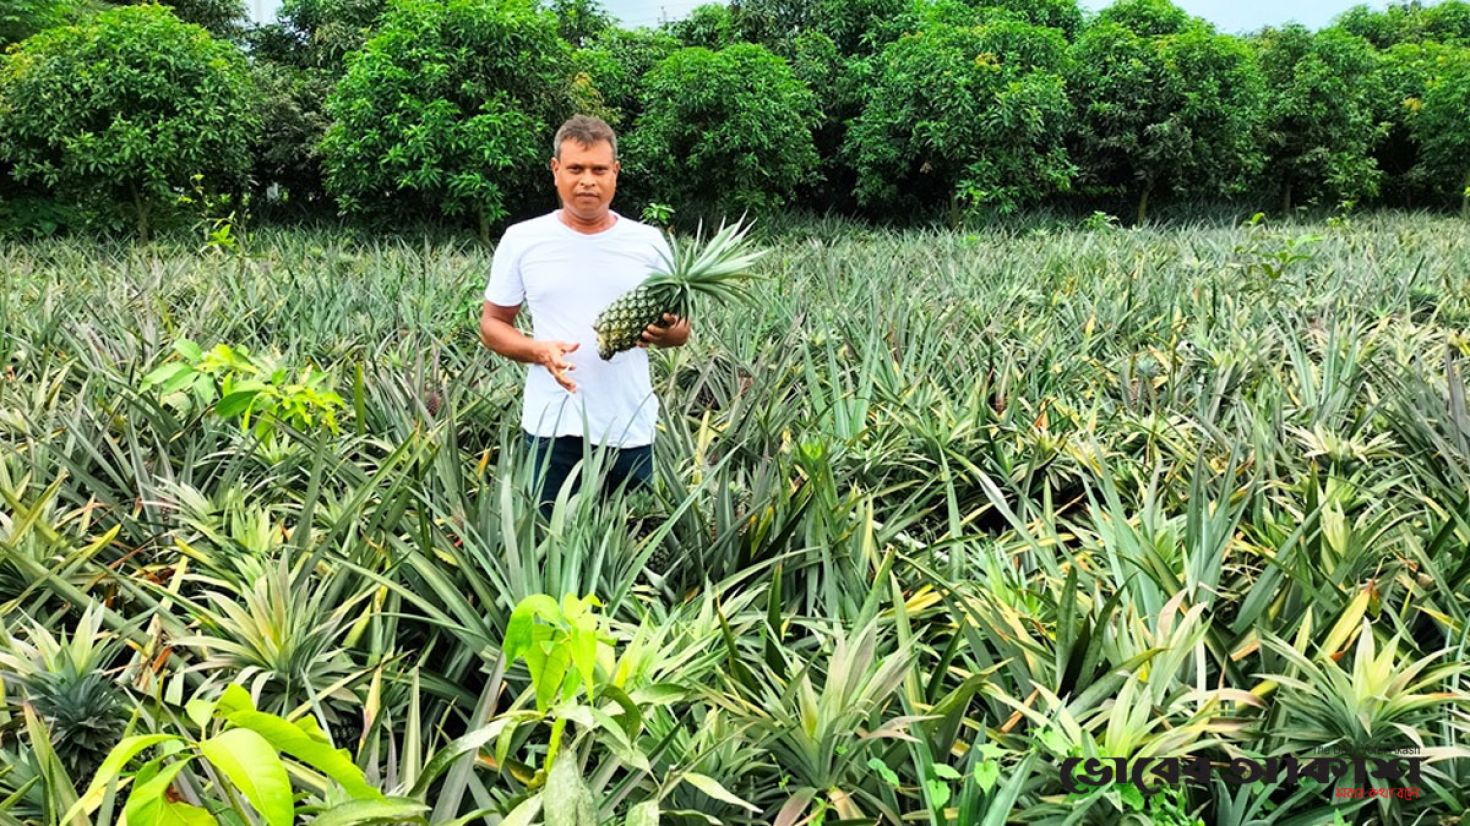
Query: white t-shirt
x=566, y=278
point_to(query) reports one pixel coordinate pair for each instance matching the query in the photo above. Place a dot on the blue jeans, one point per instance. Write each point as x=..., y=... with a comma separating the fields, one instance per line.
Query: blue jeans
x=553, y=460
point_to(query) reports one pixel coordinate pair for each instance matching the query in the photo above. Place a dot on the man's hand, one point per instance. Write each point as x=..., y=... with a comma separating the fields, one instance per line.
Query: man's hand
x=674, y=335
x=549, y=354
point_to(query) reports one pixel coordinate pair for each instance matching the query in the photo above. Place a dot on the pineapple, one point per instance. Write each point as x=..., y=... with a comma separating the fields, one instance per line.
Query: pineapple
x=713, y=268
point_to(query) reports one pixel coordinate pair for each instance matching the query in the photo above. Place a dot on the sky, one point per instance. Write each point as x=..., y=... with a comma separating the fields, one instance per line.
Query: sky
x=1227, y=15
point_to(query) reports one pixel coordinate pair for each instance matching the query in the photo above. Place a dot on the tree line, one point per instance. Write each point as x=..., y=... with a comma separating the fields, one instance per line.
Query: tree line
x=122, y=116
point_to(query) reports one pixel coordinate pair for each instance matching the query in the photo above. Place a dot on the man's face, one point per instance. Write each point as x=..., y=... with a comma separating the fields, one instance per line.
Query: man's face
x=586, y=178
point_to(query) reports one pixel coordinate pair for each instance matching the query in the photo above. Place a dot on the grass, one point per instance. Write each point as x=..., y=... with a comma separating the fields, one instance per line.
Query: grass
x=939, y=511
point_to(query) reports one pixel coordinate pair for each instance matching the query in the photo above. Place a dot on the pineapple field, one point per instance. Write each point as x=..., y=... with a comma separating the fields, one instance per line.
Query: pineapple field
x=937, y=515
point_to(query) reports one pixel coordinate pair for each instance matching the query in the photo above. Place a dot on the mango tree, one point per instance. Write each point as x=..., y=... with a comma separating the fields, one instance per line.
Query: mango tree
x=123, y=110
x=1442, y=125
x=728, y=130
x=449, y=108
x=1166, y=114
x=969, y=115
x=1321, y=115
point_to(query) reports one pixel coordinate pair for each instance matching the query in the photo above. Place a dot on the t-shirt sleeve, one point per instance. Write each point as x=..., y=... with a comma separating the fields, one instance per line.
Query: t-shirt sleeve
x=505, y=287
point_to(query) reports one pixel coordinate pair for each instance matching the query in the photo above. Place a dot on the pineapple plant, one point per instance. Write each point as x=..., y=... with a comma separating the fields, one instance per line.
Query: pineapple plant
x=715, y=267
x=85, y=712
x=65, y=680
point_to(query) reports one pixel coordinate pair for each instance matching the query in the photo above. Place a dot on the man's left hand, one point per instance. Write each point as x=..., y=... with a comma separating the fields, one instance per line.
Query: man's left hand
x=673, y=335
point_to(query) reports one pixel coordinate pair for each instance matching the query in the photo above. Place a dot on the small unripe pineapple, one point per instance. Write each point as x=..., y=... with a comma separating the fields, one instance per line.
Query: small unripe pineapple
x=714, y=268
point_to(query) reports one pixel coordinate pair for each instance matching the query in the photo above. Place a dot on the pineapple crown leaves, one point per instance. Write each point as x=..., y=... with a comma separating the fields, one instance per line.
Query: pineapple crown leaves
x=716, y=267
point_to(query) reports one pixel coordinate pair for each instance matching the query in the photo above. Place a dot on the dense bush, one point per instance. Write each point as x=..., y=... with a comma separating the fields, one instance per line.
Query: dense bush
x=1412, y=22
x=709, y=26
x=1441, y=122
x=1321, y=115
x=449, y=108
x=122, y=111
x=1166, y=114
x=20, y=19
x=615, y=63
x=729, y=130
x=449, y=113
x=973, y=116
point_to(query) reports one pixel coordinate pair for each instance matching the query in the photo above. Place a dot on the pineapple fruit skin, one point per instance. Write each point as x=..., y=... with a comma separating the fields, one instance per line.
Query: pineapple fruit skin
x=621, y=325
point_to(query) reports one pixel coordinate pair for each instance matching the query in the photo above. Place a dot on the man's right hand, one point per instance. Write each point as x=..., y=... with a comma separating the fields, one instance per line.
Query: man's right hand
x=549, y=354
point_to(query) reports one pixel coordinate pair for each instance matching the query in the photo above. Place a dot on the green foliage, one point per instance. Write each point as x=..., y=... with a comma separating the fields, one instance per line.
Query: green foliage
x=580, y=21
x=657, y=214
x=727, y=130
x=616, y=61
x=1147, y=18
x=286, y=149
x=918, y=549
x=1065, y=15
x=65, y=679
x=20, y=19
x=560, y=651
x=838, y=86
x=1170, y=114
x=1441, y=123
x=974, y=116
x=249, y=752
x=1420, y=153
x=1446, y=21
x=708, y=26
x=240, y=386
x=449, y=107
x=317, y=33
x=854, y=26
x=1321, y=114
x=125, y=109
x=224, y=19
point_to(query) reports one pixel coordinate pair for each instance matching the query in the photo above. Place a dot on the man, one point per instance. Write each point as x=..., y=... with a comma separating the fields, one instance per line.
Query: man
x=566, y=266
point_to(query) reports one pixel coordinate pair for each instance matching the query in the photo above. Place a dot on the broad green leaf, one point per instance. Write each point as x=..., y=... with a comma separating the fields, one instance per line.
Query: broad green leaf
x=235, y=403
x=111, y=768
x=945, y=772
x=162, y=375
x=235, y=698
x=518, y=630
x=199, y=711
x=567, y=801
x=296, y=741
x=149, y=788
x=986, y=773
x=712, y=787
x=171, y=813
x=888, y=775
x=643, y=814
x=249, y=762
x=938, y=793
x=188, y=349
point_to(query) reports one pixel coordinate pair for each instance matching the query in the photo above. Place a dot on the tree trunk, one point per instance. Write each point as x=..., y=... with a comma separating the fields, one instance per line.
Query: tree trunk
x=954, y=210
x=140, y=210
x=1148, y=189
x=484, y=223
x=1286, y=199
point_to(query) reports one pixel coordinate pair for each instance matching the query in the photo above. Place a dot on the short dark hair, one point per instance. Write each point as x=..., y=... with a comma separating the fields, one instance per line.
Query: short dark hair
x=586, y=130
